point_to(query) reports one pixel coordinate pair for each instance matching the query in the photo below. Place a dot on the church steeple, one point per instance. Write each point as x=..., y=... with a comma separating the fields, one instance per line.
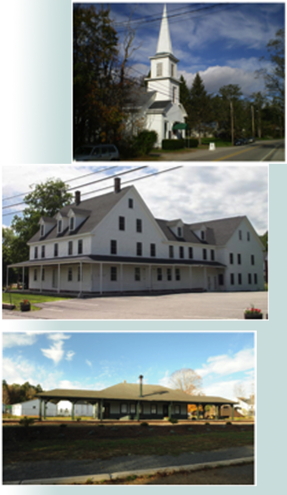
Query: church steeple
x=163, y=74
x=164, y=41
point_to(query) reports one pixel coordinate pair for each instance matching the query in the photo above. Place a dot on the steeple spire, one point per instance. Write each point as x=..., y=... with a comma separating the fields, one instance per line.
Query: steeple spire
x=164, y=41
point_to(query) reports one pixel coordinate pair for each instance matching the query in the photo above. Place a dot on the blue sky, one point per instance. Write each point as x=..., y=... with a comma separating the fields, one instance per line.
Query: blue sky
x=192, y=193
x=94, y=361
x=224, y=42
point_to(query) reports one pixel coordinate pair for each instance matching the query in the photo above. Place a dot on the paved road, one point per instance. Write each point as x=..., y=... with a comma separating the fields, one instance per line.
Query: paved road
x=53, y=469
x=193, y=306
x=261, y=151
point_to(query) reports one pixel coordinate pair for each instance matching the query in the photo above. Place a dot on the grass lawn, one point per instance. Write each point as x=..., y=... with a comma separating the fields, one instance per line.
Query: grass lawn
x=59, y=445
x=12, y=298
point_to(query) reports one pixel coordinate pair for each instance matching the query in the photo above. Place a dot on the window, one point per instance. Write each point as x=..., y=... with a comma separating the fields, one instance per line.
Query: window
x=113, y=247
x=121, y=223
x=79, y=274
x=59, y=226
x=204, y=254
x=72, y=223
x=248, y=236
x=35, y=274
x=131, y=203
x=70, y=247
x=249, y=279
x=152, y=250
x=132, y=408
x=137, y=274
x=239, y=259
x=159, y=274
x=43, y=274
x=231, y=258
x=43, y=252
x=190, y=252
x=80, y=246
x=177, y=409
x=177, y=274
x=220, y=279
x=179, y=232
x=255, y=278
x=70, y=274
x=231, y=278
x=139, y=225
x=139, y=249
x=124, y=408
x=159, y=69
x=171, y=253
x=153, y=409
x=42, y=230
x=36, y=252
x=169, y=274
x=114, y=274
x=181, y=251
x=239, y=279
x=252, y=259
x=56, y=249
x=202, y=235
x=240, y=235
x=212, y=254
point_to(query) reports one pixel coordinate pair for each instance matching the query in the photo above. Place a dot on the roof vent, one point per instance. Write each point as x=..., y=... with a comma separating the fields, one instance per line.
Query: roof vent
x=117, y=184
x=77, y=197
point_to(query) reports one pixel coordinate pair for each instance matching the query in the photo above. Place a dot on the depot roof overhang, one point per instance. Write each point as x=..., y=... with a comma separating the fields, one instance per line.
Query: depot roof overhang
x=116, y=260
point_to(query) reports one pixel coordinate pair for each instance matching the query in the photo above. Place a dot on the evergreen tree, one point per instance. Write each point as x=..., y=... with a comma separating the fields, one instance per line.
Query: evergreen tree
x=200, y=108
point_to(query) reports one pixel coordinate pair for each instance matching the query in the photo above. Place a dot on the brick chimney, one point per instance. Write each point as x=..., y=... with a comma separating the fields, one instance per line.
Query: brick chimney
x=117, y=184
x=141, y=385
x=77, y=197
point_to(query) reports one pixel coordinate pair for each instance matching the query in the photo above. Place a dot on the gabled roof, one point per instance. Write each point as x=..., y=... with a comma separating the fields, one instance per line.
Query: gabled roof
x=131, y=391
x=96, y=209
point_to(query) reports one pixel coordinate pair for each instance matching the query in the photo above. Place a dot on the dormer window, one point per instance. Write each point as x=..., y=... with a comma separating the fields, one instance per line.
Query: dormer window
x=202, y=235
x=72, y=223
x=42, y=230
x=179, y=232
x=59, y=226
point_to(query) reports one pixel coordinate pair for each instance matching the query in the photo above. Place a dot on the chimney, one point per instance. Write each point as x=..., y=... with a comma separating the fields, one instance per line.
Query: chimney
x=77, y=197
x=141, y=385
x=117, y=184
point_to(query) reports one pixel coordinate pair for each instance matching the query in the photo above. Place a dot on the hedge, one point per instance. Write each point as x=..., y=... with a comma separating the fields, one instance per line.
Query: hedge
x=172, y=144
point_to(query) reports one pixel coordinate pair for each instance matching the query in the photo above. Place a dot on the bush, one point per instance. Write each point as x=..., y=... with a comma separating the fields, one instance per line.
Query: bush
x=173, y=420
x=144, y=423
x=78, y=418
x=172, y=144
x=144, y=142
x=26, y=421
x=191, y=143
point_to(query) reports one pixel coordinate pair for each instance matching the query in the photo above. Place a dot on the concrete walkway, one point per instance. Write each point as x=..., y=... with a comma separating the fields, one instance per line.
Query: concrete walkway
x=72, y=471
x=186, y=306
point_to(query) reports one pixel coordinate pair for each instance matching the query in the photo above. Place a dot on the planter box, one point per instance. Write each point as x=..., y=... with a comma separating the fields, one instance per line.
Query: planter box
x=255, y=316
x=25, y=307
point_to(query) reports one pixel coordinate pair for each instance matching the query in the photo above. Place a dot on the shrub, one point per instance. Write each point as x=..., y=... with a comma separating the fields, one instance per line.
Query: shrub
x=144, y=423
x=172, y=144
x=26, y=421
x=144, y=142
x=173, y=420
x=191, y=143
x=78, y=418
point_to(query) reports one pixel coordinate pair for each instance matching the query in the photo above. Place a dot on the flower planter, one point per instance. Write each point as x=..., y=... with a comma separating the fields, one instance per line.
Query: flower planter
x=25, y=306
x=254, y=316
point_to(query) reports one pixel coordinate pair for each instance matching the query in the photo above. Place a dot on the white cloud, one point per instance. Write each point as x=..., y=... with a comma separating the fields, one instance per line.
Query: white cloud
x=227, y=365
x=88, y=363
x=18, y=339
x=226, y=388
x=56, y=351
x=70, y=355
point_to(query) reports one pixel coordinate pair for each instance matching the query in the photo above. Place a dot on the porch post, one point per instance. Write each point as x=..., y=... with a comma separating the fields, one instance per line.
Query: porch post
x=59, y=277
x=101, y=278
x=232, y=412
x=170, y=410
x=41, y=277
x=101, y=409
x=40, y=410
x=81, y=277
x=45, y=402
x=121, y=277
x=23, y=277
x=73, y=411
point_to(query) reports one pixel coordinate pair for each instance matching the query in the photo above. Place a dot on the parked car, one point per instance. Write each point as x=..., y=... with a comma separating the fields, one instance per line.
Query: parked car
x=98, y=152
x=251, y=140
x=240, y=142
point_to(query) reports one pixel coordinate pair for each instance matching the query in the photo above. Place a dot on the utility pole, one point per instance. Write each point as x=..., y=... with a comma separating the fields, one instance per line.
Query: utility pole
x=252, y=120
x=232, y=122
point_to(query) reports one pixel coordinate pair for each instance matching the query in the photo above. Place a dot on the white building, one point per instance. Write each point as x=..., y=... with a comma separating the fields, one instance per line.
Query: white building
x=112, y=243
x=32, y=408
x=159, y=109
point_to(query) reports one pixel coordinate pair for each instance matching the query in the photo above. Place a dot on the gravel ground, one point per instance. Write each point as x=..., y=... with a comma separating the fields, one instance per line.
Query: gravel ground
x=53, y=469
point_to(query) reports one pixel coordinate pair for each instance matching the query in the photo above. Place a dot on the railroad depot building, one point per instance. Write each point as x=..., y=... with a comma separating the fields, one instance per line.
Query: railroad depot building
x=133, y=401
x=113, y=244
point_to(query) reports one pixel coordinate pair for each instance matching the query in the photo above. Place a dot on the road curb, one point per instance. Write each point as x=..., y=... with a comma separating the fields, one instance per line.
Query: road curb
x=89, y=479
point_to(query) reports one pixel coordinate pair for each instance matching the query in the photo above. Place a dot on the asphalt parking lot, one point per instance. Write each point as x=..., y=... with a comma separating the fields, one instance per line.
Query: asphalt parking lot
x=187, y=306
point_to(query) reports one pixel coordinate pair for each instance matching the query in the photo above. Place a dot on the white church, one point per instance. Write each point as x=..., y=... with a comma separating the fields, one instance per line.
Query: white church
x=159, y=109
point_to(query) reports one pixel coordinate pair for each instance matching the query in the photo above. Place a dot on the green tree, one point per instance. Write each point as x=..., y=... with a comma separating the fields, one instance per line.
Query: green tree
x=200, y=107
x=184, y=94
x=231, y=95
x=45, y=200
